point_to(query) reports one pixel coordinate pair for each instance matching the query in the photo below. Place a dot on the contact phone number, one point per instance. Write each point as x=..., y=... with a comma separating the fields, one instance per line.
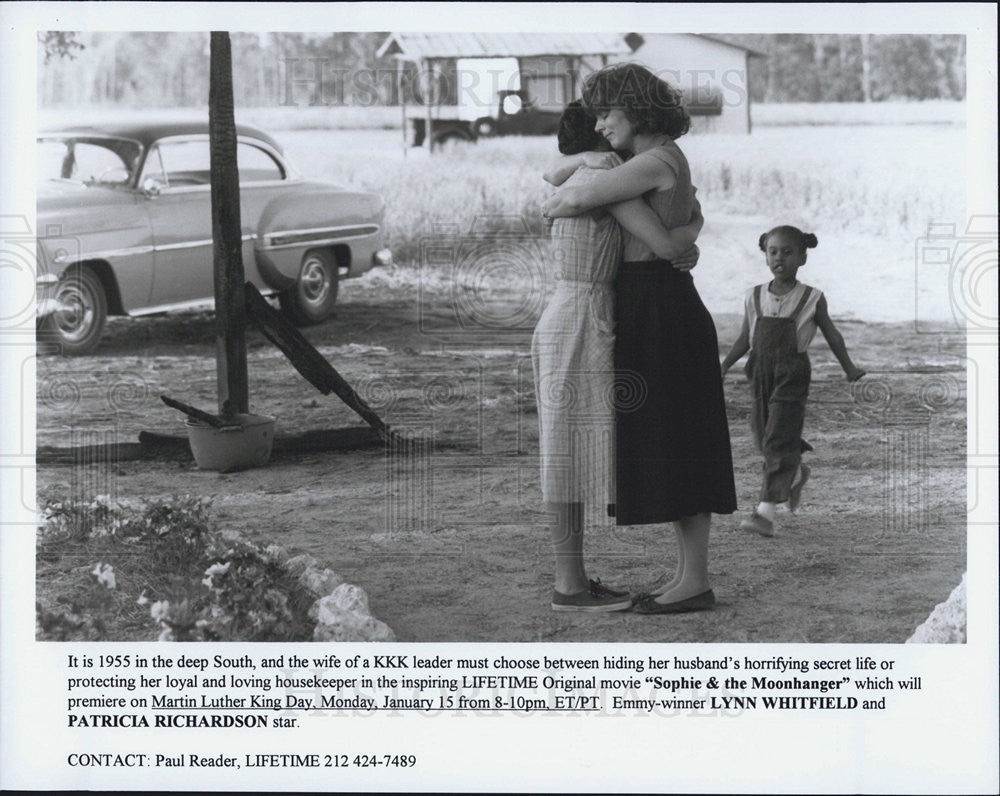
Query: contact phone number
x=369, y=761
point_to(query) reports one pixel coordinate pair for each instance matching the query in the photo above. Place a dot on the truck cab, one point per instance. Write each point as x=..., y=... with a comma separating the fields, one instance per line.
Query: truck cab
x=517, y=114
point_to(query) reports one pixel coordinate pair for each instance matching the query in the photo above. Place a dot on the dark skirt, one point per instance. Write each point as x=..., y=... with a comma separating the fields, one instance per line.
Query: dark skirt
x=673, y=457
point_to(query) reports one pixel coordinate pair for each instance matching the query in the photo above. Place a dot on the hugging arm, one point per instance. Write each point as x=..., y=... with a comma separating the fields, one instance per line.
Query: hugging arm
x=631, y=179
x=566, y=166
x=641, y=220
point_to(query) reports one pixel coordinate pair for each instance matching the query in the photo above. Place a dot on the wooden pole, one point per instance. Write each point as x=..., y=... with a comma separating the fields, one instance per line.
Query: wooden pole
x=426, y=69
x=401, y=96
x=866, y=67
x=227, y=240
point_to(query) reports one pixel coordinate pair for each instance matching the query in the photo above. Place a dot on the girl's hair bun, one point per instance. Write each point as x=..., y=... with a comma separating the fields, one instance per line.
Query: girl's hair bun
x=806, y=240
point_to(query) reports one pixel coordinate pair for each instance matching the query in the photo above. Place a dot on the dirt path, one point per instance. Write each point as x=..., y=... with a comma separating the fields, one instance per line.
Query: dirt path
x=452, y=546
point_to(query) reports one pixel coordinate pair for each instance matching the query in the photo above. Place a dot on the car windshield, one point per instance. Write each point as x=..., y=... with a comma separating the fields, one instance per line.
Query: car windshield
x=109, y=161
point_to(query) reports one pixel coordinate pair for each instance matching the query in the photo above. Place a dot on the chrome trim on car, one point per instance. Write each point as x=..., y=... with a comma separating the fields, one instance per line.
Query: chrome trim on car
x=46, y=279
x=318, y=236
x=167, y=190
x=189, y=244
x=107, y=254
x=192, y=244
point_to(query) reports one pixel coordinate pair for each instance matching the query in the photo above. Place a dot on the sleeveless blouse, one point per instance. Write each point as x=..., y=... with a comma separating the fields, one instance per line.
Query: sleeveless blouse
x=673, y=206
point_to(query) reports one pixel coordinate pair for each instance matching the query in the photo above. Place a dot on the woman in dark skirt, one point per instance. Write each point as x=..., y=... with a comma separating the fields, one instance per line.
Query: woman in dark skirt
x=673, y=459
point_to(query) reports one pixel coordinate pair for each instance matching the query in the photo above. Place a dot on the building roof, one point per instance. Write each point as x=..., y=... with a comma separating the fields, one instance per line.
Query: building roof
x=721, y=40
x=412, y=46
x=636, y=40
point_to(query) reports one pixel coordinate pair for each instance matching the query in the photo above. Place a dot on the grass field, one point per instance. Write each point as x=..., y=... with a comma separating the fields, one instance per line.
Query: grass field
x=867, y=192
x=887, y=181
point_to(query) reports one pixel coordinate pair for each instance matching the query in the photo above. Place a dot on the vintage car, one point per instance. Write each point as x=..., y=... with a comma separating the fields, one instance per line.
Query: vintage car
x=125, y=227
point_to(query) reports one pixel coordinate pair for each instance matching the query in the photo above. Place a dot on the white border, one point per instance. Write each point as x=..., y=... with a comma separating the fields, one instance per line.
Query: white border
x=944, y=741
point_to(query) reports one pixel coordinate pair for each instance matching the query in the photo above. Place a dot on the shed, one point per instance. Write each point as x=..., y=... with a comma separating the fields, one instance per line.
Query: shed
x=703, y=66
x=548, y=66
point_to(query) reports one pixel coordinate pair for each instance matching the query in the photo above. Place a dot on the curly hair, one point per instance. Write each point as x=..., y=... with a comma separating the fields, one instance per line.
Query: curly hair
x=805, y=240
x=651, y=105
x=576, y=131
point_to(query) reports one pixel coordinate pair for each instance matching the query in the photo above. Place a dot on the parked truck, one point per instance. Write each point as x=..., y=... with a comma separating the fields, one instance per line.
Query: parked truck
x=518, y=114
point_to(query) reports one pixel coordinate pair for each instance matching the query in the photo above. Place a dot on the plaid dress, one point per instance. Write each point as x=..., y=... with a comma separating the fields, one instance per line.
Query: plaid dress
x=572, y=356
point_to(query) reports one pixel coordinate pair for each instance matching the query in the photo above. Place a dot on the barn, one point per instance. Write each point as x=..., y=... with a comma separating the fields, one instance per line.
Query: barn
x=462, y=73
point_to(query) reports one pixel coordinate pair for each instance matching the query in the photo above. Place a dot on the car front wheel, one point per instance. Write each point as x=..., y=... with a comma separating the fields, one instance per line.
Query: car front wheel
x=311, y=300
x=75, y=328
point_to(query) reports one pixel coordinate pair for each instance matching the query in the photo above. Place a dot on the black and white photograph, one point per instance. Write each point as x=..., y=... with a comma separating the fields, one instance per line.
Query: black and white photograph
x=662, y=354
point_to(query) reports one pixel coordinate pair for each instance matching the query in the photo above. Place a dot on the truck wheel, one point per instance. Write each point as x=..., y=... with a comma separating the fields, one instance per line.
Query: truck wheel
x=485, y=127
x=76, y=329
x=311, y=300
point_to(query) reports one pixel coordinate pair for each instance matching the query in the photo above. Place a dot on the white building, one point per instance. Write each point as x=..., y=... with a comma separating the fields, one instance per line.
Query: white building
x=708, y=70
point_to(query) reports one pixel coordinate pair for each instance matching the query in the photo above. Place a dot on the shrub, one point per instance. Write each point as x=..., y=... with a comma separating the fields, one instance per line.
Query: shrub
x=112, y=571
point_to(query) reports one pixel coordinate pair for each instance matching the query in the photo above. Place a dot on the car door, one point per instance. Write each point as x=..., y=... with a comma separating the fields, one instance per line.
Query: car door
x=181, y=212
x=177, y=181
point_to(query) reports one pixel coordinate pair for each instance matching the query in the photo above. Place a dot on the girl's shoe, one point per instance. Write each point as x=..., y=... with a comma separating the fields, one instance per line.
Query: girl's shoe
x=795, y=497
x=596, y=598
x=758, y=524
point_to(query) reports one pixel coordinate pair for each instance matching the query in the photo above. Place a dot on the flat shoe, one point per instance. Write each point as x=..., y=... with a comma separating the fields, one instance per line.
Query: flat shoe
x=795, y=496
x=700, y=602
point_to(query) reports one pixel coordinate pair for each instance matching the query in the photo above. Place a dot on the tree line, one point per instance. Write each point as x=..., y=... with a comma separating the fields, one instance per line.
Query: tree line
x=172, y=69
x=838, y=67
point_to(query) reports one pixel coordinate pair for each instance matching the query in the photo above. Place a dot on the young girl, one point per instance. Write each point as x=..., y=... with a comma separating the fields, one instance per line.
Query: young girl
x=779, y=322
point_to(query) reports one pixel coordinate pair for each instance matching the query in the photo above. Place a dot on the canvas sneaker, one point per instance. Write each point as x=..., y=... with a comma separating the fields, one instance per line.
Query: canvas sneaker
x=596, y=598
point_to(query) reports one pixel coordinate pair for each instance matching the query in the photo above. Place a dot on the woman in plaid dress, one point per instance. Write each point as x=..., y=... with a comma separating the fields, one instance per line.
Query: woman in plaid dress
x=572, y=355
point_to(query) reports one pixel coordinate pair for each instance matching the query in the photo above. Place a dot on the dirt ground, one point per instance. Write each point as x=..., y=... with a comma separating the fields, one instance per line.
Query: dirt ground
x=451, y=544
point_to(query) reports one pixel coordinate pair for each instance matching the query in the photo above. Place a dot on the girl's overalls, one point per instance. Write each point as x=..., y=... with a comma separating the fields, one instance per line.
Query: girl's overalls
x=779, y=383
